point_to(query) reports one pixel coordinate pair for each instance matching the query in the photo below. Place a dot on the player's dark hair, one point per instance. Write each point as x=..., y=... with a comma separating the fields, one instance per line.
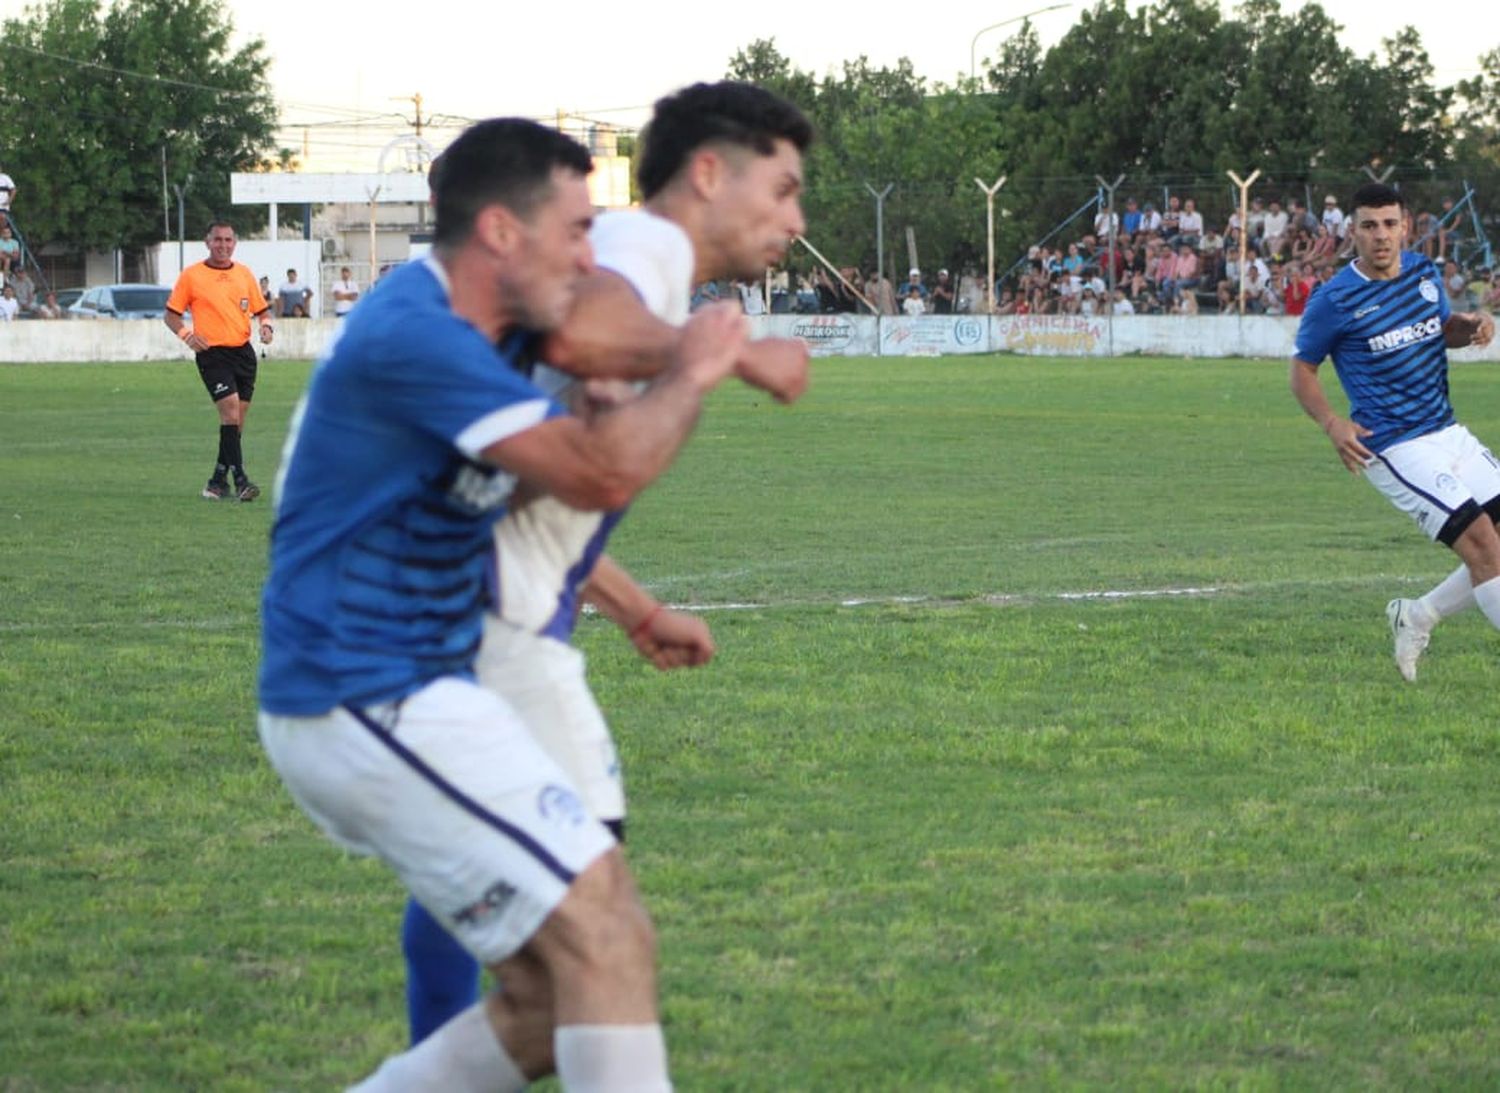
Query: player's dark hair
x=502, y=161
x=212, y=224
x=1376, y=195
x=729, y=111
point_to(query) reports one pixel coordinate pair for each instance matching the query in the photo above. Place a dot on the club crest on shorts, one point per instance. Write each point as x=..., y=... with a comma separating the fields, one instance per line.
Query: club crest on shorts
x=560, y=805
x=1428, y=290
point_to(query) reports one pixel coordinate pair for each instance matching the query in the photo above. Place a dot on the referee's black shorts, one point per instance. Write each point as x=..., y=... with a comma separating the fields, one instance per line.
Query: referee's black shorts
x=228, y=370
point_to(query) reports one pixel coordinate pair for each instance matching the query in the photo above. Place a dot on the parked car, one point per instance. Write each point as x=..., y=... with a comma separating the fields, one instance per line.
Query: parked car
x=121, y=302
x=66, y=298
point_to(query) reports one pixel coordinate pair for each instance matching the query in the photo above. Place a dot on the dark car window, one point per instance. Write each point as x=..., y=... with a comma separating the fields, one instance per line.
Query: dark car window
x=140, y=299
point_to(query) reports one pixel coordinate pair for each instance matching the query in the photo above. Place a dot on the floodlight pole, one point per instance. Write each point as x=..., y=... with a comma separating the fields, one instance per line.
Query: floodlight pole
x=989, y=202
x=1109, y=189
x=1244, y=188
x=974, y=44
x=880, y=196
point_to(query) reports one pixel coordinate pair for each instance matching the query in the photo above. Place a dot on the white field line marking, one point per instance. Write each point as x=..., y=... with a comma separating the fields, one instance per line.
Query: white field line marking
x=991, y=599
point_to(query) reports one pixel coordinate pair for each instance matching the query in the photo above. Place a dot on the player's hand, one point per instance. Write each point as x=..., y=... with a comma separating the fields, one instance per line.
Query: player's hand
x=1346, y=436
x=266, y=333
x=1484, y=333
x=778, y=366
x=711, y=342
x=673, y=639
x=195, y=342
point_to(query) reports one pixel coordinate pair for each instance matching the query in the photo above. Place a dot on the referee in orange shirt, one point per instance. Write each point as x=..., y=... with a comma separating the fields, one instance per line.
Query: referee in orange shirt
x=224, y=297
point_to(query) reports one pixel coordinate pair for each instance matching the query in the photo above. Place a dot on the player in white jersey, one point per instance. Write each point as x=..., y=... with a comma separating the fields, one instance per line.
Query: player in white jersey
x=721, y=175
x=1385, y=321
x=406, y=447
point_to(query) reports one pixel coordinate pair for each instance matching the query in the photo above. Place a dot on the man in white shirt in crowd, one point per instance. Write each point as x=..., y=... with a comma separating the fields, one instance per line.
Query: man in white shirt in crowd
x=345, y=292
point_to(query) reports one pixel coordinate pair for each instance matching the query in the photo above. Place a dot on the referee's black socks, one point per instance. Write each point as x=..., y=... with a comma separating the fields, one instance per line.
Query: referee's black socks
x=229, y=446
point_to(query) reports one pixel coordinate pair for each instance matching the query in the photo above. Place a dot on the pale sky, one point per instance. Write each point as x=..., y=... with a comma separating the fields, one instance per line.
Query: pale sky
x=335, y=63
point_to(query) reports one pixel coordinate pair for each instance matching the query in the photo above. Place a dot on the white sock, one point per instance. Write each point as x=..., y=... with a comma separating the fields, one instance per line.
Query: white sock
x=464, y=1056
x=1487, y=596
x=612, y=1059
x=1454, y=594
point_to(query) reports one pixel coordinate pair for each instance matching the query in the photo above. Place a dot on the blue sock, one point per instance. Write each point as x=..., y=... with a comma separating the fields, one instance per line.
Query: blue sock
x=442, y=979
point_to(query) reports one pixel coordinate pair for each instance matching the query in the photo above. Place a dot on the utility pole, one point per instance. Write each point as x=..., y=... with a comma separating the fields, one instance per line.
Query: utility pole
x=418, y=121
x=989, y=204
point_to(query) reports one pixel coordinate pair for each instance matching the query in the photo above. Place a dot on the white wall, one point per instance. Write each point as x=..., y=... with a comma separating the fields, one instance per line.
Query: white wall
x=827, y=335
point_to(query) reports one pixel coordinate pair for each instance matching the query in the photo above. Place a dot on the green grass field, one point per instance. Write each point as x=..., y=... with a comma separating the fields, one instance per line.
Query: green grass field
x=933, y=820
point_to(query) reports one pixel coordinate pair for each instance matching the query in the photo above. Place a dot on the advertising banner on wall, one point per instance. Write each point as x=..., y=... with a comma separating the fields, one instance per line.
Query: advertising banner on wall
x=933, y=335
x=825, y=335
x=1049, y=335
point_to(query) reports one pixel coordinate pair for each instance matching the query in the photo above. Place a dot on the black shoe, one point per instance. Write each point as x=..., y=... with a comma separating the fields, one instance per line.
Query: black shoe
x=216, y=490
x=245, y=489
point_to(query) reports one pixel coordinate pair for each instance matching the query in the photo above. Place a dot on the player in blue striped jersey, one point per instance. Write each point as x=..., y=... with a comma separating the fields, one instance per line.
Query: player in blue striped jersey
x=402, y=455
x=1385, y=321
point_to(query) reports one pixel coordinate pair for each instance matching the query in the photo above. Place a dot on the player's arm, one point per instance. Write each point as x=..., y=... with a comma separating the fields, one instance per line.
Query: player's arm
x=1466, y=328
x=667, y=638
x=1344, y=434
x=178, y=327
x=603, y=462
x=610, y=333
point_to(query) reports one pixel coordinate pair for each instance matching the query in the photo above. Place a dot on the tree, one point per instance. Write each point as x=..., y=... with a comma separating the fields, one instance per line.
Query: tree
x=93, y=98
x=1172, y=95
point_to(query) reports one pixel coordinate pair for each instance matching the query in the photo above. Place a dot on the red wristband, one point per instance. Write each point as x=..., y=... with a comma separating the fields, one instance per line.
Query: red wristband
x=639, y=629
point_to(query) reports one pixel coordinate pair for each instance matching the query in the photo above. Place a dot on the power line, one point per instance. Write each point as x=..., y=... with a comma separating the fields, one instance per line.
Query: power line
x=148, y=76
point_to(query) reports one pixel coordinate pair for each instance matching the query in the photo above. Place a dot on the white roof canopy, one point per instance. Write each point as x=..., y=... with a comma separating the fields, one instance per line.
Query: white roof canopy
x=286, y=188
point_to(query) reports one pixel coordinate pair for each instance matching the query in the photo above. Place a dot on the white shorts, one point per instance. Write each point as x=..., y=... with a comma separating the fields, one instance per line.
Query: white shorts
x=452, y=792
x=544, y=680
x=1441, y=480
x=537, y=548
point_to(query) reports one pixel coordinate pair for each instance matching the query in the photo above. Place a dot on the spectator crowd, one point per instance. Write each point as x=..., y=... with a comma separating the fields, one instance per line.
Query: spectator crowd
x=1167, y=260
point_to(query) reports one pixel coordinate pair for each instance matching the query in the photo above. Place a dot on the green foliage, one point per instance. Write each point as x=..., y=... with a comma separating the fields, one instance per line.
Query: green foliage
x=93, y=96
x=1172, y=95
x=1477, y=126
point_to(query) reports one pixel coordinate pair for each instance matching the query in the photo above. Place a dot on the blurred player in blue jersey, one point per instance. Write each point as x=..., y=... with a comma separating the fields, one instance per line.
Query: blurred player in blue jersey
x=721, y=173
x=1385, y=321
x=406, y=447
